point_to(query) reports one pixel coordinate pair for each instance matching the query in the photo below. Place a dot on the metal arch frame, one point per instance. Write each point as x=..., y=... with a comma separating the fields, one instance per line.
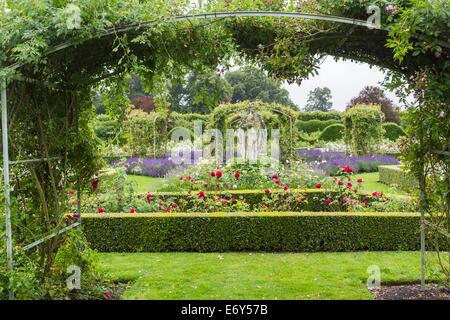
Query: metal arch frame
x=63, y=46
x=226, y=14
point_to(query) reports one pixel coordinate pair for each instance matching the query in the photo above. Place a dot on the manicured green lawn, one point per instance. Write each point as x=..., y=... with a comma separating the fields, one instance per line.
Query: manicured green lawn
x=370, y=183
x=257, y=275
x=144, y=183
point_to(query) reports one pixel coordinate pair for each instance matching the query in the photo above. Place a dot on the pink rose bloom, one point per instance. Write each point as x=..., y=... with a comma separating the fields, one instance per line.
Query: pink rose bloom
x=132, y=210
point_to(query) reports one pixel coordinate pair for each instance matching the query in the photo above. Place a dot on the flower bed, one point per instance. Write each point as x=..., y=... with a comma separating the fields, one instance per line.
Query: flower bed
x=211, y=192
x=157, y=167
x=274, y=231
x=330, y=162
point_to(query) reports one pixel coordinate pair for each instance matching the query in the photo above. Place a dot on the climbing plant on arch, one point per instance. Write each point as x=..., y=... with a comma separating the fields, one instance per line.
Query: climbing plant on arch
x=50, y=70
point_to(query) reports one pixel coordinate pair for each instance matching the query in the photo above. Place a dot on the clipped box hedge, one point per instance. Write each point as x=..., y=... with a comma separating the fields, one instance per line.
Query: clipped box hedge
x=314, y=125
x=281, y=232
x=392, y=131
x=315, y=202
x=391, y=175
x=333, y=132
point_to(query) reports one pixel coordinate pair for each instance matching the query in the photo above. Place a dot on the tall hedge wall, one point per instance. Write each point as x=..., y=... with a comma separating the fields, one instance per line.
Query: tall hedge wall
x=216, y=232
x=319, y=115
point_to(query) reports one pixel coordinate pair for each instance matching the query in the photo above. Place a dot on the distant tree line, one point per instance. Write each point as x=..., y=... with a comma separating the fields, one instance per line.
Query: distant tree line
x=201, y=92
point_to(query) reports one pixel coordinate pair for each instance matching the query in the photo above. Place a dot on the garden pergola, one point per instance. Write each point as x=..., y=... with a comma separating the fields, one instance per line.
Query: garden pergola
x=129, y=28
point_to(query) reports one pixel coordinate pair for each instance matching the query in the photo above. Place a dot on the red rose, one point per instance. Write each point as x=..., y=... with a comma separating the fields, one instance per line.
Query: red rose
x=340, y=183
x=213, y=174
x=100, y=210
x=349, y=185
x=236, y=175
x=359, y=180
x=318, y=186
x=267, y=191
x=95, y=185
x=328, y=201
x=132, y=210
x=274, y=176
x=285, y=188
x=218, y=174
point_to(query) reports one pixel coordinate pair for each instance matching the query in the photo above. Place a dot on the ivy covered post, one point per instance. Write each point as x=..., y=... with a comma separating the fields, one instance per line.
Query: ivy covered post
x=6, y=180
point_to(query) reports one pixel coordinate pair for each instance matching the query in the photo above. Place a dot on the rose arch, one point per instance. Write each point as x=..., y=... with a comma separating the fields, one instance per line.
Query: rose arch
x=49, y=70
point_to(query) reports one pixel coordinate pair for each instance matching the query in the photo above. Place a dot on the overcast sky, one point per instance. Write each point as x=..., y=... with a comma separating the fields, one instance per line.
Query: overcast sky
x=345, y=80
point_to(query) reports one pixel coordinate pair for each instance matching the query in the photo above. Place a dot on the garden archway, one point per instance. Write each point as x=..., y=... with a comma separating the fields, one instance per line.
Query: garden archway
x=78, y=64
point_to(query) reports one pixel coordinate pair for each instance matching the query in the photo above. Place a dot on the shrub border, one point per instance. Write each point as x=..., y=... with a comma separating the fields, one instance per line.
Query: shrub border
x=274, y=231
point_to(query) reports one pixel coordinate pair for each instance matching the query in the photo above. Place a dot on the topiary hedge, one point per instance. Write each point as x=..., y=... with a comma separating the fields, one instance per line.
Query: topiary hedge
x=392, y=131
x=333, y=132
x=314, y=125
x=391, y=175
x=191, y=134
x=217, y=232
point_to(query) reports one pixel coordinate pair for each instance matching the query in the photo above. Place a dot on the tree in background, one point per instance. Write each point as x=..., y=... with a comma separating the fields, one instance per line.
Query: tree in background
x=374, y=95
x=145, y=103
x=201, y=93
x=319, y=99
x=253, y=84
x=135, y=87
